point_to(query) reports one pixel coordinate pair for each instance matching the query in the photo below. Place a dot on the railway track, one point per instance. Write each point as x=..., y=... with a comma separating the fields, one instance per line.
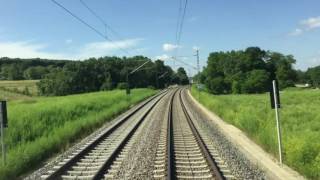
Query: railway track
x=183, y=152
x=100, y=158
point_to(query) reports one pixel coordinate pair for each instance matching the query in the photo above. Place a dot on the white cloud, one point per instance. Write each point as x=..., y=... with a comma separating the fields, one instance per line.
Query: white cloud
x=169, y=47
x=27, y=49
x=296, y=32
x=163, y=57
x=98, y=49
x=311, y=23
x=306, y=25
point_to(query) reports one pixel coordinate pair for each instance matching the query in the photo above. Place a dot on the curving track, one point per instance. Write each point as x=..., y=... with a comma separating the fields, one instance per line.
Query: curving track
x=98, y=158
x=183, y=150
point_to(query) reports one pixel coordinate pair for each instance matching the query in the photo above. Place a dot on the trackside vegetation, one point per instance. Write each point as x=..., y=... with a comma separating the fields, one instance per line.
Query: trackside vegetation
x=42, y=127
x=247, y=71
x=299, y=120
x=65, y=77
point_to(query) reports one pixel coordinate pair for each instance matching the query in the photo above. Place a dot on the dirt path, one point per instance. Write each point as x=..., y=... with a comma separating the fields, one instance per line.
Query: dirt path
x=252, y=151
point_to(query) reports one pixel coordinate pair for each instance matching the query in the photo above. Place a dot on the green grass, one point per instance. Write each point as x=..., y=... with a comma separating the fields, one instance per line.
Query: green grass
x=9, y=96
x=300, y=121
x=42, y=127
x=20, y=86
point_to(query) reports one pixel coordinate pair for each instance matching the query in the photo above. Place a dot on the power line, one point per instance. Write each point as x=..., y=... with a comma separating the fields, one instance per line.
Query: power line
x=100, y=19
x=79, y=19
x=107, y=27
x=92, y=12
x=179, y=27
x=182, y=62
x=182, y=21
x=95, y=14
x=178, y=20
x=88, y=25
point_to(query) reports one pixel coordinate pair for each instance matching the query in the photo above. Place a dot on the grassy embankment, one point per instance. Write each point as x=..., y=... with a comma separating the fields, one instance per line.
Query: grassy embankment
x=41, y=127
x=300, y=121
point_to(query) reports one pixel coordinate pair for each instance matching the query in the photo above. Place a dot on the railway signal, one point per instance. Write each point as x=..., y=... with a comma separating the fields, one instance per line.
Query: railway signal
x=275, y=104
x=3, y=124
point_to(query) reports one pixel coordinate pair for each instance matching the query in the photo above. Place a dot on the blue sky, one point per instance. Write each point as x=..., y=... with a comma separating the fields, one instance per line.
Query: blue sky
x=39, y=28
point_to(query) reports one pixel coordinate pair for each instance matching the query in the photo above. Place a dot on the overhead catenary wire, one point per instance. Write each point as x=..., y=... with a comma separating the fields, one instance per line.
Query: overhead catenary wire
x=179, y=27
x=101, y=20
x=182, y=22
x=106, y=25
x=178, y=20
x=182, y=62
x=88, y=25
x=94, y=14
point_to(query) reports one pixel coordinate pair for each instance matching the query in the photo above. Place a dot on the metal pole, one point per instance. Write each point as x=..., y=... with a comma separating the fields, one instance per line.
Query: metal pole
x=278, y=121
x=198, y=67
x=128, y=83
x=3, y=149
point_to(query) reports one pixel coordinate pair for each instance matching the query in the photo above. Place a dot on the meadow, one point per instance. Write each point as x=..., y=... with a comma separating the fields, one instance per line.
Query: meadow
x=41, y=127
x=27, y=87
x=300, y=121
x=9, y=95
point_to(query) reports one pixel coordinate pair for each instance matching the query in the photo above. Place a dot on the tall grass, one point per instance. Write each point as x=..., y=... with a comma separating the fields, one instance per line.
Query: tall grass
x=300, y=121
x=9, y=95
x=41, y=127
x=20, y=86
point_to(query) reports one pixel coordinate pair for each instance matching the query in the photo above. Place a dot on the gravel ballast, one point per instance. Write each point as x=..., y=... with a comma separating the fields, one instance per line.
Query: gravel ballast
x=139, y=162
x=240, y=167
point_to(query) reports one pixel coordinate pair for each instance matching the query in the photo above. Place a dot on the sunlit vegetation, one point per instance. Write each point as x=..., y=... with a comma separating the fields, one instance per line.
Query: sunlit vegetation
x=41, y=127
x=22, y=87
x=300, y=121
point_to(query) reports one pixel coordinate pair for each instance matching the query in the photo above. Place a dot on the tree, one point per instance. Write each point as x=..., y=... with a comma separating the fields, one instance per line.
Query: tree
x=247, y=71
x=313, y=75
x=36, y=72
x=256, y=82
x=217, y=85
x=182, y=76
x=280, y=67
x=107, y=85
x=302, y=77
x=106, y=73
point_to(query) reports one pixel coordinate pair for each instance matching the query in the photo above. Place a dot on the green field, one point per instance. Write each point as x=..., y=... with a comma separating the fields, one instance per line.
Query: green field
x=300, y=121
x=42, y=127
x=20, y=87
x=9, y=96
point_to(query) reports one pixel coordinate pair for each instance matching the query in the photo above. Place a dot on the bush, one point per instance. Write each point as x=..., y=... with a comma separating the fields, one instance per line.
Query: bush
x=218, y=85
x=122, y=85
x=256, y=82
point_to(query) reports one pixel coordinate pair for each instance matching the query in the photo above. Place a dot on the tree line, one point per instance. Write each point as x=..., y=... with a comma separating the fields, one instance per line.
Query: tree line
x=310, y=77
x=62, y=77
x=251, y=71
x=27, y=69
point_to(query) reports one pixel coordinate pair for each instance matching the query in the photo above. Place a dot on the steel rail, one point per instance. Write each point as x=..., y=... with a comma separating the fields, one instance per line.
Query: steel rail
x=215, y=170
x=100, y=173
x=59, y=172
x=170, y=144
